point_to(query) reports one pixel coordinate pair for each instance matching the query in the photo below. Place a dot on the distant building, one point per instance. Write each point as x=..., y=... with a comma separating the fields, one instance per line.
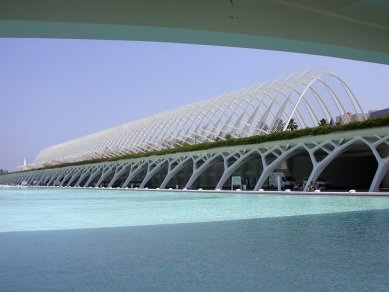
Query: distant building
x=349, y=117
x=378, y=113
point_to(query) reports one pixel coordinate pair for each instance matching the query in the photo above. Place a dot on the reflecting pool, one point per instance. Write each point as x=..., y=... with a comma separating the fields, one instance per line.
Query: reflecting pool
x=99, y=240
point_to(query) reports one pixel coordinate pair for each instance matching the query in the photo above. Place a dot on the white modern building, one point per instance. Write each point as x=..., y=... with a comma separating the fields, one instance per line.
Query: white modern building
x=303, y=98
x=348, y=160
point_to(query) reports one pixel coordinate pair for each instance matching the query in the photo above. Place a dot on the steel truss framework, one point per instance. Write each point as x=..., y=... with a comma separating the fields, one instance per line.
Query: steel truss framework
x=271, y=156
x=303, y=98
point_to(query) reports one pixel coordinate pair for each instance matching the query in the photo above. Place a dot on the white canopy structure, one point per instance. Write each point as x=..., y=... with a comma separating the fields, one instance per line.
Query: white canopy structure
x=304, y=98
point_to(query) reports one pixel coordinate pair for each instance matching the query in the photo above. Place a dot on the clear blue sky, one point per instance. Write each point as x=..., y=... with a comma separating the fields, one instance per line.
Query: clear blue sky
x=55, y=90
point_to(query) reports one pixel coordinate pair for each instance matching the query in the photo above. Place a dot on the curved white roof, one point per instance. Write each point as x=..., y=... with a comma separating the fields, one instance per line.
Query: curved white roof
x=306, y=97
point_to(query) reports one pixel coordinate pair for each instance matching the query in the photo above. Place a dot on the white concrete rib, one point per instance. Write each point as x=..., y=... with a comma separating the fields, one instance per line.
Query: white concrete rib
x=306, y=97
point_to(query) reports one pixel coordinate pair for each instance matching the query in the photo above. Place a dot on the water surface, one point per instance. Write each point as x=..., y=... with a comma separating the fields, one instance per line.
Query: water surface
x=27, y=209
x=90, y=240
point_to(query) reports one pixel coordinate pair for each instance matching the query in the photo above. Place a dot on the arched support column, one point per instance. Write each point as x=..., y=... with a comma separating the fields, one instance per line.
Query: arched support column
x=43, y=178
x=269, y=168
x=16, y=180
x=173, y=171
x=135, y=170
x=382, y=169
x=152, y=169
x=27, y=178
x=84, y=174
x=30, y=179
x=318, y=167
x=383, y=165
x=58, y=177
x=76, y=174
x=208, y=159
x=94, y=173
x=52, y=176
x=120, y=170
x=242, y=157
x=66, y=177
x=105, y=173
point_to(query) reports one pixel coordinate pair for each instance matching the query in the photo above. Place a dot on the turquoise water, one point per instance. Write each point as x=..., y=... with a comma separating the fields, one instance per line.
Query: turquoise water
x=26, y=209
x=107, y=240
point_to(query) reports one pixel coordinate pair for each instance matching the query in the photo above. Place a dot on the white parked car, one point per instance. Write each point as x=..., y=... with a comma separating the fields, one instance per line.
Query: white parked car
x=286, y=181
x=321, y=182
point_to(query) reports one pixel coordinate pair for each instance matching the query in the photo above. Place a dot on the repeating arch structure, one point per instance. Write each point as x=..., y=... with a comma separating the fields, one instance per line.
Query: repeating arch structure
x=306, y=97
x=183, y=170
